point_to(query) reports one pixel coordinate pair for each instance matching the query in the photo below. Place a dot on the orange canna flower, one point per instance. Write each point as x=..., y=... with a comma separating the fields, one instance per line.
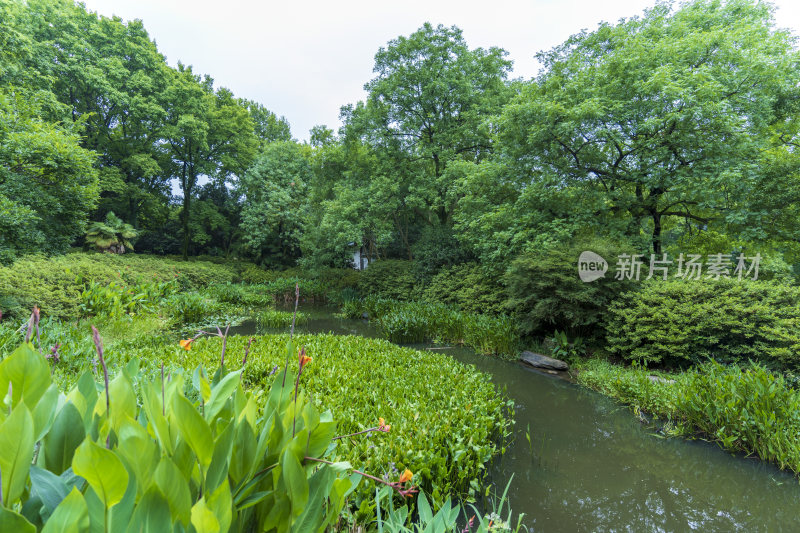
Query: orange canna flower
x=186, y=344
x=304, y=359
x=405, y=476
x=383, y=426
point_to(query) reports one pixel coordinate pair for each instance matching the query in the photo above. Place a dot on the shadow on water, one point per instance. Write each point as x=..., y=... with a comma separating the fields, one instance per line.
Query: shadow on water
x=592, y=466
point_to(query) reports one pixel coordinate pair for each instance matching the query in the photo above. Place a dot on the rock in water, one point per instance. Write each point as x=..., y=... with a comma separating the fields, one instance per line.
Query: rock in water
x=538, y=360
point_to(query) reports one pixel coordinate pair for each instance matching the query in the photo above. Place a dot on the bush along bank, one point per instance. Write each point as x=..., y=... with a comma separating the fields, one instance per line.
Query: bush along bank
x=744, y=409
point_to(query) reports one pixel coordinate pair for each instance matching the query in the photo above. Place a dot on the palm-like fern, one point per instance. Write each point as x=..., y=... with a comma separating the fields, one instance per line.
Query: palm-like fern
x=112, y=236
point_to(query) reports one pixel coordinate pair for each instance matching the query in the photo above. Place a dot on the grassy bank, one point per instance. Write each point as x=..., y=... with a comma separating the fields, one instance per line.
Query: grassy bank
x=744, y=409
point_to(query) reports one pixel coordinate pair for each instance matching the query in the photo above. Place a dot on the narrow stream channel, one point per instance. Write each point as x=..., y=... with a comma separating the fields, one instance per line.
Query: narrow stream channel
x=592, y=466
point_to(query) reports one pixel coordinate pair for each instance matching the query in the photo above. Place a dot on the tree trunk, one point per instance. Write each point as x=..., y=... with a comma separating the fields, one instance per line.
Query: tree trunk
x=188, y=180
x=656, y=233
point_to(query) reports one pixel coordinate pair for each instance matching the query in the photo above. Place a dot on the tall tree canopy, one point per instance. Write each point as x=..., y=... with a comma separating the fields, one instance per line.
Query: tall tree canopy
x=209, y=134
x=656, y=122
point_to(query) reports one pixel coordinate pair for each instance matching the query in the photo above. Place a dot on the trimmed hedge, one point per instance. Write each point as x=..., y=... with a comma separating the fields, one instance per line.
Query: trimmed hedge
x=679, y=322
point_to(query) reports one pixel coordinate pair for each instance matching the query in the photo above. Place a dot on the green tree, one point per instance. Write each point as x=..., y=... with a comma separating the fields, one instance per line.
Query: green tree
x=209, y=133
x=111, y=79
x=48, y=184
x=655, y=121
x=427, y=107
x=275, y=191
x=268, y=126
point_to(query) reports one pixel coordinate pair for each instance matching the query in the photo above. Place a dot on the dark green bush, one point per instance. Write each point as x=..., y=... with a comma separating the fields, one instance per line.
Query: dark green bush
x=389, y=278
x=680, y=322
x=546, y=294
x=437, y=248
x=469, y=287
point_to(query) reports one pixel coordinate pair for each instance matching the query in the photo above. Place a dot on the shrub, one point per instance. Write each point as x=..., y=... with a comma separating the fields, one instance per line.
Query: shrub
x=55, y=284
x=414, y=322
x=389, y=278
x=747, y=409
x=191, y=308
x=241, y=294
x=545, y=292
x=435, y=249
x=469, y=287
x=679, y=322
x=255, y=274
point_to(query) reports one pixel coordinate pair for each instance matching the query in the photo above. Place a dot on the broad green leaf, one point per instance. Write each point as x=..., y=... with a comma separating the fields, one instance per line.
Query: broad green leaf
x=218, y=470
x=103, y=470
x=63, y=439
x=193, y=429
x=296, y=483
x=16, y=452
x=119, y=516
x=49, y=487
x=221, y=504
x=152, y=514
x=14, y=522
x=151, y=400
x=44, y=412
x=203, y=518
x=27, y=372
x=139, y=452
x=313, y=516
x=122, y=400
x=220, y=394
x=175, y=489
x=71, y=515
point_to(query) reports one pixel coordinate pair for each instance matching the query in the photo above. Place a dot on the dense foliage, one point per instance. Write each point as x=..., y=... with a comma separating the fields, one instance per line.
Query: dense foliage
x=64, y=286
x=680, y=322
x=391, y=279
x=545, y=293
x=469, y=287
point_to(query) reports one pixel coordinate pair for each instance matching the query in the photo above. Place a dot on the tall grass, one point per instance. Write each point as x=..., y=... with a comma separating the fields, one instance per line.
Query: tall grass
x=745, y=409
x=415, y=322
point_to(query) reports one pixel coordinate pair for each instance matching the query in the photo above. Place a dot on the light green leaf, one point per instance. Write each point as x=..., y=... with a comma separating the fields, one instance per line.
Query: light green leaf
x=220, y=394
x=103, y=470
x=71, y=515
x=14, y=522
x=203, y=518
x=193, y=429
x=16, y=452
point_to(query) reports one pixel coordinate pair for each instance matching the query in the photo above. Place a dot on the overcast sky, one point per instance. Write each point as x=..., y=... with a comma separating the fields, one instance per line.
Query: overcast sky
x=304, y=60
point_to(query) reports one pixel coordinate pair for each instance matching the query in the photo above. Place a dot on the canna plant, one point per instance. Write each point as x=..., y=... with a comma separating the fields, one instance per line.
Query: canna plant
x=199, y=454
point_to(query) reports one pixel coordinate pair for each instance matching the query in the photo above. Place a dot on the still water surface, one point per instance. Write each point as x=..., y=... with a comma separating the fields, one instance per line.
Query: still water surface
x=592, y=466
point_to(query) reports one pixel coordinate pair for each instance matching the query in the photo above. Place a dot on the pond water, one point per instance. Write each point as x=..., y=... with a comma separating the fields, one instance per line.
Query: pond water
x=592, y=466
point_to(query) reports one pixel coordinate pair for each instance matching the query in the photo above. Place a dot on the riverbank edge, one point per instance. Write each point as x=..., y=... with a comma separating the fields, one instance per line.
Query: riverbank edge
x=747, y=410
